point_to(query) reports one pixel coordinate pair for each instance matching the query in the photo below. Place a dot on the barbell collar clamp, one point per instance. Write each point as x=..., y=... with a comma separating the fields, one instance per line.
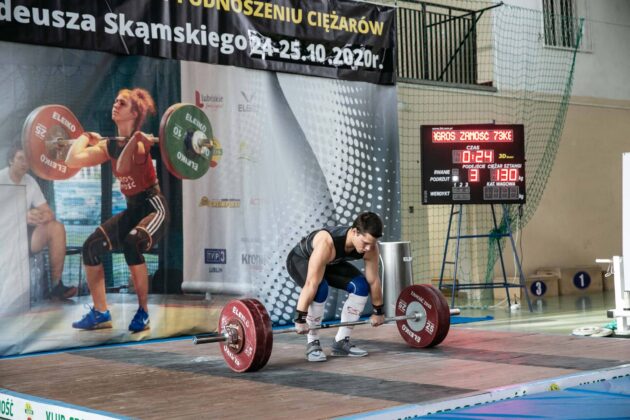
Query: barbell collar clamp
x=199, y=141
x=212, y=339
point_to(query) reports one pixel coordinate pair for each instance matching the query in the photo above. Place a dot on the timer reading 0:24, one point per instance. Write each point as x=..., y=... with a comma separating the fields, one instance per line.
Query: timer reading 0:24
x=473, y=156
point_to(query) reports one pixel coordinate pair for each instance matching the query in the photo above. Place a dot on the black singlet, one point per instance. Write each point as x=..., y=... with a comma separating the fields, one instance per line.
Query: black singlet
x=338, y=233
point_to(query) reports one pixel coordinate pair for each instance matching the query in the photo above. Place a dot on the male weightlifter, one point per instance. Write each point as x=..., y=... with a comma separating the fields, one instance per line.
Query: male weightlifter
x=43, y=230
x=141, y=224
x=321, y=259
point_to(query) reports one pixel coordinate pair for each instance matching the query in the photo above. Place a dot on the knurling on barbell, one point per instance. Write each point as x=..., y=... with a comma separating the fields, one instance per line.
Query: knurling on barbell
x=246, y=335
x=186, y=141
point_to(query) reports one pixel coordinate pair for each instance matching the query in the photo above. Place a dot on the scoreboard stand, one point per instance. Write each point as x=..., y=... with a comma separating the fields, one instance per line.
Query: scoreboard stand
x=495, y=236
x=475, y=164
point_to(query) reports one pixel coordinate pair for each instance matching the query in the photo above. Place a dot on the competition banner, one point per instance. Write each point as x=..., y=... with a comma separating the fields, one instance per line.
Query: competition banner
x=296, y=153
x=290, y=153
x=336, y=39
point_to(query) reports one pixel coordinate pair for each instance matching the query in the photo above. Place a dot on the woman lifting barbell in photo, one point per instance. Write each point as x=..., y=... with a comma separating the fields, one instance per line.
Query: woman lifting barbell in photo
x=136, y=229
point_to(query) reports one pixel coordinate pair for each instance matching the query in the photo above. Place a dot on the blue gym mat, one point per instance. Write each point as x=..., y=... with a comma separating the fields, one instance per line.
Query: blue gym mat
x=600, y=400
x=458, y=319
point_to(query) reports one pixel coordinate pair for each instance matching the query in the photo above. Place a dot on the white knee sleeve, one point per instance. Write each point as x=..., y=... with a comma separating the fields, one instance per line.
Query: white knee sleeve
x=314, y=319
x=351, y=312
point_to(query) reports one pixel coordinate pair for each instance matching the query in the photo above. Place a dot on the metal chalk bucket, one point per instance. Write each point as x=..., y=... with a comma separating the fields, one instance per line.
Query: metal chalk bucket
x=396, y=272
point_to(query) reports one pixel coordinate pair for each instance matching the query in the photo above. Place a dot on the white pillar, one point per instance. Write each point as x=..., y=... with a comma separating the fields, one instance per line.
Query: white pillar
x=625, y=219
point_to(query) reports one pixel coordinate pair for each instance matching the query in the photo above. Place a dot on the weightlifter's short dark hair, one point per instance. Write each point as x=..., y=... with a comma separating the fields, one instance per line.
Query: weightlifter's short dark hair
x=369, y=222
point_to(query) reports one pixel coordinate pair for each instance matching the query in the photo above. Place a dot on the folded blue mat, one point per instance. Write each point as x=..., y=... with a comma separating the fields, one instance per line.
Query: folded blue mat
x=458, y=319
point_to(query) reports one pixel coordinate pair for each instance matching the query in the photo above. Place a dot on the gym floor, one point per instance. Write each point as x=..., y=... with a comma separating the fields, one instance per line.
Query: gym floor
x=172, y=378
x=554, y=315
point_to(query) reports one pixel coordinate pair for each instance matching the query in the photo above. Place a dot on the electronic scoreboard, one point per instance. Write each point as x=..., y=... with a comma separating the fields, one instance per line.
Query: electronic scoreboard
x=473, y=164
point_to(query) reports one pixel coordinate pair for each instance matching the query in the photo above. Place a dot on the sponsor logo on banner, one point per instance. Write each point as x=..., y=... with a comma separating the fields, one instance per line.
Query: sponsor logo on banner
x=208, y=101
x=28, y=409
x=215, y=256
x=6, y=407
x=220, y=202
x=248, y=104
x=254, y=261
x=217, y=153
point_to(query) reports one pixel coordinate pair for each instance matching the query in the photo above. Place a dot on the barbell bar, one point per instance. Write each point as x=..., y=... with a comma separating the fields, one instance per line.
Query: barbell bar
x=58, y=141
x=201, y=140
x=229, y=336
x=245, y=334
x=196, y=140
x=188, y=148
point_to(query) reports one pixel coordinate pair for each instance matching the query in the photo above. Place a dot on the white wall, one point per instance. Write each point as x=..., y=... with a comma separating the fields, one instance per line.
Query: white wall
x=603, y=68
x=605, y=72
x=579, y=216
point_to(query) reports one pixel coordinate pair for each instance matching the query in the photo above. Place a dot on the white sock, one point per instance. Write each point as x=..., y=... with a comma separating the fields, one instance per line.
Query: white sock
x=314, y=319
x=351, y=312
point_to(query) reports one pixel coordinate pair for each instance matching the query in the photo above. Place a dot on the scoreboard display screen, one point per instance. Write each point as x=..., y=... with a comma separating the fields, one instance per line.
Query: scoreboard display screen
x=473, y=164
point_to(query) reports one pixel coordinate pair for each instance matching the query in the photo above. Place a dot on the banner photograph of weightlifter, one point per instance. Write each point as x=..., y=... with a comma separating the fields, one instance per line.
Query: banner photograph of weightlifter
x=144, y=184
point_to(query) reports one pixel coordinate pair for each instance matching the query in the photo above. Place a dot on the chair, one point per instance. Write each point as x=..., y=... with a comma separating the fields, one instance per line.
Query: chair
x=39, y=276
x=77, y=250
x=39, y=267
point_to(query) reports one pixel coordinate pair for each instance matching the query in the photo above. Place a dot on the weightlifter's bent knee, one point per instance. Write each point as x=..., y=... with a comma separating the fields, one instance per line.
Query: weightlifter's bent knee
x=359, y=286
x=135, y=243
x=94, y=246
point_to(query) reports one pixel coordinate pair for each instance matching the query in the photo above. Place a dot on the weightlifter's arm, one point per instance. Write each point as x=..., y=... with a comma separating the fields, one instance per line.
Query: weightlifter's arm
x=323, y=253
x=87, y=150
x=137, y=149
x=374, y=280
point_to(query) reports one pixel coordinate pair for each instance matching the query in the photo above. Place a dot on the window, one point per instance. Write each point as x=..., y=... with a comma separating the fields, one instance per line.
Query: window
x=438, y=43
x=561, y=23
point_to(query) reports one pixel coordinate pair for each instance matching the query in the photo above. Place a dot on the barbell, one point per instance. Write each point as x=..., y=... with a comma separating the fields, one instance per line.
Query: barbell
x=422, y=316
x=186, y=141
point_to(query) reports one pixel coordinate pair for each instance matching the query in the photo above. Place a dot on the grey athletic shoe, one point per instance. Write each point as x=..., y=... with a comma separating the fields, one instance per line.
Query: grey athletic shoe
x=345, y=348
x=314, y=352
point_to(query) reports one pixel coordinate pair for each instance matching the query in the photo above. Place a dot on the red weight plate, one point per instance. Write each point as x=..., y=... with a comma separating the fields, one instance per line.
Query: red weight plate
x=266, y=320
x=444, y=314
x=249, y=352
x=43, y=125
x=259, y=353
x=422, y=333
x=264, y=323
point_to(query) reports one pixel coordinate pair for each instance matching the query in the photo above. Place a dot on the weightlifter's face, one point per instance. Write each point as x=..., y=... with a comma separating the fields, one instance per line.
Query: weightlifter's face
x=122, y=110
x=363, y=242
